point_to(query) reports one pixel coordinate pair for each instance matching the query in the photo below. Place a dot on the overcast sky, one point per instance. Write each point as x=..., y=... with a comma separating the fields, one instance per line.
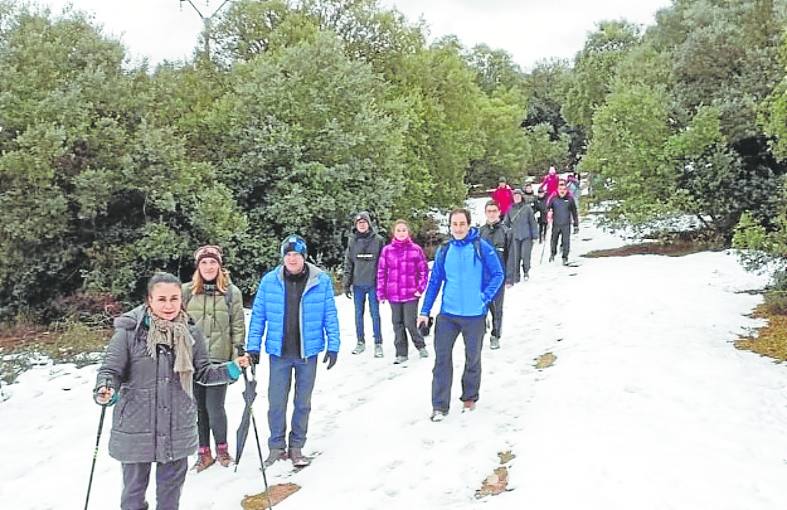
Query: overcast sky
x=528, y=29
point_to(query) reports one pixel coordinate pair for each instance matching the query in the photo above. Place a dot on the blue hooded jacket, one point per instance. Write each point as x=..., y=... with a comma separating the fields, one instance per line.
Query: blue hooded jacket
x=469, y=282
x=318, y=314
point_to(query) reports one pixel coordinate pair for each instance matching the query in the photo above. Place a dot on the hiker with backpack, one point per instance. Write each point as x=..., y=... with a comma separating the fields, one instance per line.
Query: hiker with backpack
x=496, y=233
x=152, y=362
x=524, y=229
x=468, y=271
x=564, y=210
x=216, y=306
x=360, y=279
x=401, y=280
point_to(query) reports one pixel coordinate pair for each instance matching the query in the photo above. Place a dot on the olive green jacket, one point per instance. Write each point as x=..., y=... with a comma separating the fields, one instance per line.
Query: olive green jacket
x=224, y=327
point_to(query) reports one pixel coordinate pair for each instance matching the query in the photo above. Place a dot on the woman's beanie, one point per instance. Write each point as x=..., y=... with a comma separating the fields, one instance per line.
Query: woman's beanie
x=208, y=252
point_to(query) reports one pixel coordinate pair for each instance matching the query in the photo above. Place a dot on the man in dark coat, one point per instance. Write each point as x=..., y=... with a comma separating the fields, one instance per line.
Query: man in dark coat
x=360, y=279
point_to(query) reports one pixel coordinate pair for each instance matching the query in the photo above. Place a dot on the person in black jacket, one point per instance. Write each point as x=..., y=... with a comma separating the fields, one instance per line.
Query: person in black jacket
x=360, y=279
x=500, y=237
x=564, y=210
x=541, y=214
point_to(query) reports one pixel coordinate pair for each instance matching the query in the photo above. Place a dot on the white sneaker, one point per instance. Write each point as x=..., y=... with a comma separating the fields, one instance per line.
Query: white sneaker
x=359, y=348
x=378, y=351
x=438, y=416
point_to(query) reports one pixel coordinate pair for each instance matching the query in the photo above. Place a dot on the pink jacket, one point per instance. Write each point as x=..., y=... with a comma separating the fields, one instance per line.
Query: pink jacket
x=402, y=272
x=550, y=183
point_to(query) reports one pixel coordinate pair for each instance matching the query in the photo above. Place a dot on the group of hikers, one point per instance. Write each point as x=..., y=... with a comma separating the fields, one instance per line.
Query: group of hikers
x=556, y=203
x=171, y=359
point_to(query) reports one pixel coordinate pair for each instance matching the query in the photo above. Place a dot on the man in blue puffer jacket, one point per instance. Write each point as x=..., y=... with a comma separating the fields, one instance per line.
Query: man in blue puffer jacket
x=468, y=270
x=296, y=311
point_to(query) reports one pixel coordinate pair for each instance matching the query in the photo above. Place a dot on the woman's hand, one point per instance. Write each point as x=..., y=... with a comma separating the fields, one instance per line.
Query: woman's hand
x=242, y=361
x=104, y=395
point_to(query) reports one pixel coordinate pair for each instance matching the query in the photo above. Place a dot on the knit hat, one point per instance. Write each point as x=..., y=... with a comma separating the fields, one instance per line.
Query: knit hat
x=293, y=242
x=210, y=251
x=502, y=179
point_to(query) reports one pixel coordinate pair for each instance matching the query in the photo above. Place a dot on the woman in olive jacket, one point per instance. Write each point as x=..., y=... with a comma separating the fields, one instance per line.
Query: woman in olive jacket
x=216, y=306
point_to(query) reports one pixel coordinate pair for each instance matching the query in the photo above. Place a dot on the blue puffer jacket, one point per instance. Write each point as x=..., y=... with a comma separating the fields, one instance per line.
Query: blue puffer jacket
x=318, y=314
x=471, y=279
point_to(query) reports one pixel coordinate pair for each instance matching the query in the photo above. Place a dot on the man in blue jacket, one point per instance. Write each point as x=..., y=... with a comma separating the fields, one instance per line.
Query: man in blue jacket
x=296, y=311
x=470, y=274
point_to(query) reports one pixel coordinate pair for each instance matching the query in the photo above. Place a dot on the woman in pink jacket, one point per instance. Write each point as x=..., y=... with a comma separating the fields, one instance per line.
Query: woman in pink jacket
x=402, y=273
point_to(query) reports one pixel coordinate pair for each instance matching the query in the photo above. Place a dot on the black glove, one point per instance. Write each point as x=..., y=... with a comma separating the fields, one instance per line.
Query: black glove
x=330, y=358
x=348, y=292
x=255, y=357
x=576, y=229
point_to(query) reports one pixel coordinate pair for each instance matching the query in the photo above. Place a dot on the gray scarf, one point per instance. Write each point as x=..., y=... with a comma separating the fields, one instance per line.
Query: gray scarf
x=175, y=335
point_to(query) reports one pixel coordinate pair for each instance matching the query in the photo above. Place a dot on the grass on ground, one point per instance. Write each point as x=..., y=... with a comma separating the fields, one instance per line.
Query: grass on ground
x=22, y=344
x=771, y=339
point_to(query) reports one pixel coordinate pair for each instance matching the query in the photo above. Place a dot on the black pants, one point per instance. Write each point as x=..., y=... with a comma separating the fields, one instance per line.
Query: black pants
x=496, y=309
x=403, y=317
x=564, y=232
x=542, y=232
x=447, y=329
x=210, y=413
x=169, y=484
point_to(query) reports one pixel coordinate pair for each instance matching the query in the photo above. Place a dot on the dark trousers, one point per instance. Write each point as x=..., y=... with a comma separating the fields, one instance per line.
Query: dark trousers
x=447, y=328
x=281, y=370
x=563, y=232
x=496, y=309
x=210, y=413
x=542, y=232
x=360, y=293
x=523, y=251
x=403, y=317
x=169, y=484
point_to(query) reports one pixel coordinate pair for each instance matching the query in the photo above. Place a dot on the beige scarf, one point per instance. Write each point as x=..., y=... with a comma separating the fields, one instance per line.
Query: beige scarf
x=175, y=335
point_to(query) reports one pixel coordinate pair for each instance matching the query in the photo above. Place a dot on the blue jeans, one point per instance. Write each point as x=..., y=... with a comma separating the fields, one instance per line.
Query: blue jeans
x=447, y=328
x=359, y=295
x=279, y=382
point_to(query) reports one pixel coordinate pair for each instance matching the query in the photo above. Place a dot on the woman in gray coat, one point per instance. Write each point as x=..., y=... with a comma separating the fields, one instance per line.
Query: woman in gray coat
x=151, y=363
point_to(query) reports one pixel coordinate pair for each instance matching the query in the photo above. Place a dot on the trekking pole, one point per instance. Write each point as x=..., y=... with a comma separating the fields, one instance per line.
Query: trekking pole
x=95, y=453
x=259, y=449
x=544, y=244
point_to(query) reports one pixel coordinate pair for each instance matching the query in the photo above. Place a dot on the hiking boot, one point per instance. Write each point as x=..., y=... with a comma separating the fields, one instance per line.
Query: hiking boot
x=299, y=460
x=378, y=350
x=438, y=416
x=359, y=347
x=204, y=459
x=399, y=360
x=494, y=342
x=274, y=455
x=223, y=455
x=423, y=353
x=469, y=405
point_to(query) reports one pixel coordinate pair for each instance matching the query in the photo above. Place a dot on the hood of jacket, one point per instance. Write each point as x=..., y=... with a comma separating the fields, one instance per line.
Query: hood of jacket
x=363, y=215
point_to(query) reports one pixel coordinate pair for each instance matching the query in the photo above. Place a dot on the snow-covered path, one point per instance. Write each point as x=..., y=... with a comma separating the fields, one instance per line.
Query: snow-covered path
x=648, y=406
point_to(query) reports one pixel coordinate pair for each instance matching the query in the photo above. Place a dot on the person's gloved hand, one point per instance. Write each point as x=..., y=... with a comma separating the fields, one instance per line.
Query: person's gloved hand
x=576, y=229
x=330, y=358
x=254, y=357
x=348, y=292
x=104, y=394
